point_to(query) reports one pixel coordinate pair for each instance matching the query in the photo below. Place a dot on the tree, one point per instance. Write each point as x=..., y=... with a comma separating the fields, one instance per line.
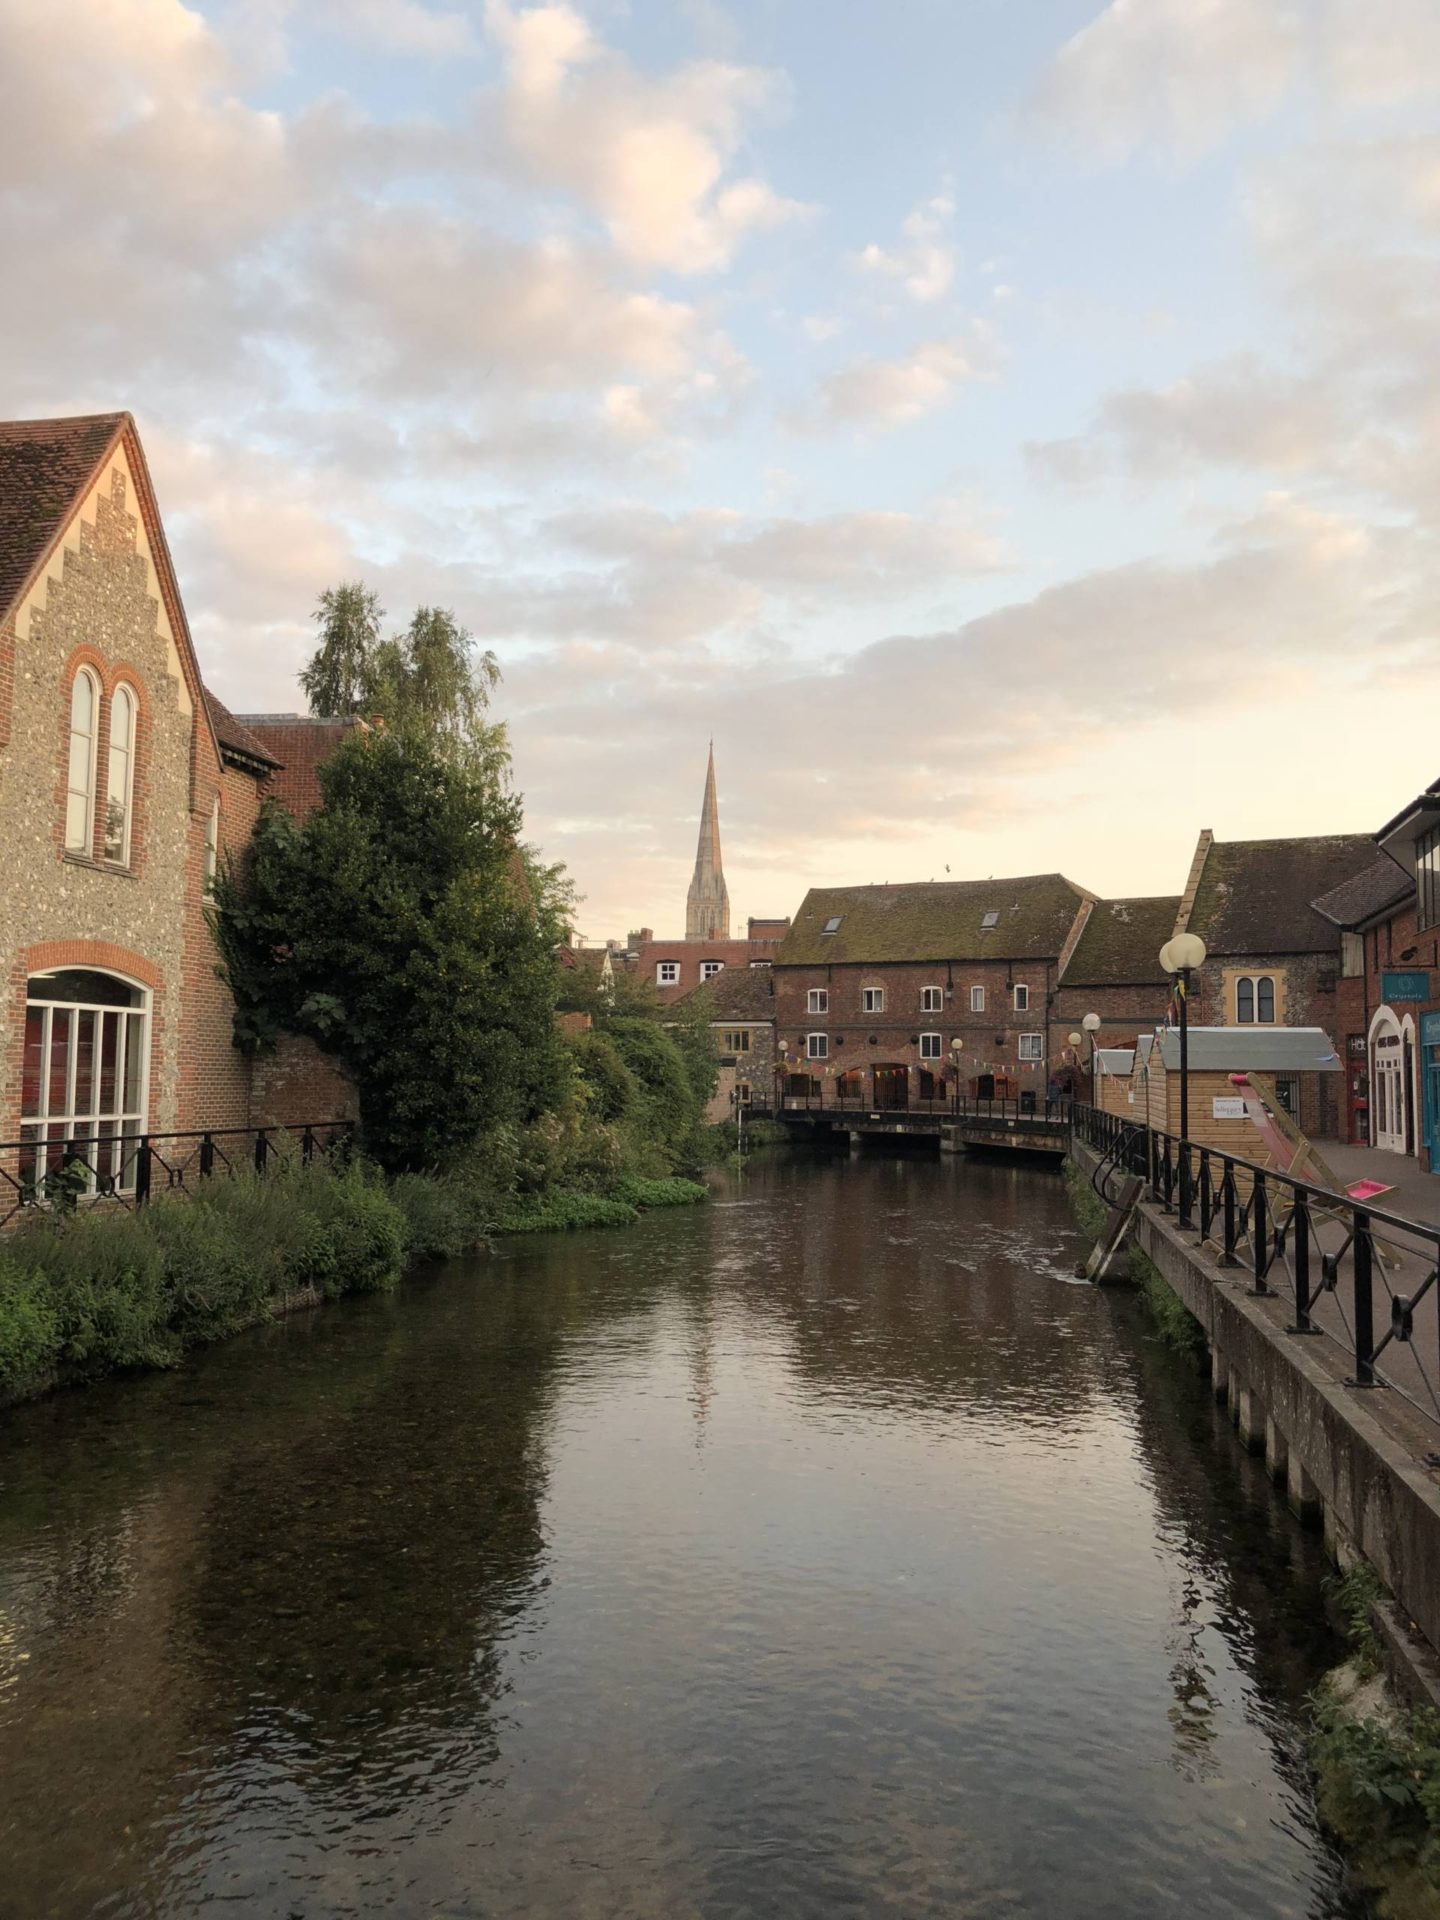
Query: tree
x=339, y=677
x=391, y=928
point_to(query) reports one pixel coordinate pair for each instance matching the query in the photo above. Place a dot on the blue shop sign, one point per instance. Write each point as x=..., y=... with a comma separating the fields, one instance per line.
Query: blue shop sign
x=1430, y=1029
x=1409, y=985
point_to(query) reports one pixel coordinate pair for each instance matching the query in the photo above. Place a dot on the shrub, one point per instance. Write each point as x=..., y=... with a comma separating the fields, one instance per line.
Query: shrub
x=217, y=1282
x=363, y=1224
x=638, y=1192
x=106, y=1279
x=609, y=1083
x=443, y=1215
x=287, y=1243
x=29, y=1323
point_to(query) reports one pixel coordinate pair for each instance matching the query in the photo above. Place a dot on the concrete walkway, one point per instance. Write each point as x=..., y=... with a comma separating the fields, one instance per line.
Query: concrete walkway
x=1416, y=1193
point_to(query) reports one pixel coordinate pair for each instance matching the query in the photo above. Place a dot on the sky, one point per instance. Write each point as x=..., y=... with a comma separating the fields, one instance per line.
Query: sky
x=1012, y=432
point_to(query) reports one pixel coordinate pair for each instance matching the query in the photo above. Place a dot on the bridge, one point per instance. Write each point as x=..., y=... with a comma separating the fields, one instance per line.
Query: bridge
x=957, y=1122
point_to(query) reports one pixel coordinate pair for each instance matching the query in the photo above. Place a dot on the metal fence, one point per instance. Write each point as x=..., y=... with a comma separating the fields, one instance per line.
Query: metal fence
x=943, y=1106
x=1361, y=1277
x=128, y=1169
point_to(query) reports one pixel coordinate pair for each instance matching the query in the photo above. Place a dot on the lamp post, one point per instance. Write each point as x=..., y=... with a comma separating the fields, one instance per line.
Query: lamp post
x=1091, y=1026
x=957, y=1047
x=1180, y=957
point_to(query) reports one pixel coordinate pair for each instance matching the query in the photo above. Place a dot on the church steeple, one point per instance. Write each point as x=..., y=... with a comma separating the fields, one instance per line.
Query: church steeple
x=707, y=905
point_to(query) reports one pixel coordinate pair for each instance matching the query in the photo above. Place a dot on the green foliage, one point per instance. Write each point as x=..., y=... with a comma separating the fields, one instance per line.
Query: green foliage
x=30, y=1332
x=611, y=1089
x=1175, y=1324
x=1084, y=1201
x=391, y=928
x=1379, y=1792
x=688, y=1024
x=364, y=1225
x=339, y=677
x=218, y=1280
x=563, y=1211
x=668, y=1108
x=1354, y=1594
x=553, y=894
x=636, y=1191
x=104, y=1277
x=443, y=1215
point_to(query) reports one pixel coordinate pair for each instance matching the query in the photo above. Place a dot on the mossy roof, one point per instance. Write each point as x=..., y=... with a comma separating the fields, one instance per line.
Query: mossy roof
x=1255, y=896
x=739, y=993
x=1121, y=943
x=935, y=920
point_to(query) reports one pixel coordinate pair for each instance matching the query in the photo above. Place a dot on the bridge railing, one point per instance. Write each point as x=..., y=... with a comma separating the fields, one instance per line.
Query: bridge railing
x=945, y=1106
x=56, y=1165
x=1357, y=1275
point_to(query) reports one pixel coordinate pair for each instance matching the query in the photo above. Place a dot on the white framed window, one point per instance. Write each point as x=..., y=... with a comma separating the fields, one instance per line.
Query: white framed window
x=120, y=777
x=1032, y=1046
x=1255, y=1000
x=817, y=1046
x=667, y=973
x=932, y=999
x=1022, y=999
x=742, y=1093
x=212, y=847
x=872, y=999
x=930, y=1046
x=735, y=1040
x=977, y=999
x=84, y=1077
x=80, y=780
x=817, y=1000
x=709, y=968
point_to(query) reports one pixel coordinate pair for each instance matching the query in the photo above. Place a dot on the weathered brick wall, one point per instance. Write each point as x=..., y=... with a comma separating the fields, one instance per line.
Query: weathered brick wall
x=860, y=1040
x=214, y=1074
x=1125, y=1013
x=297, y=1083
x=100, y=603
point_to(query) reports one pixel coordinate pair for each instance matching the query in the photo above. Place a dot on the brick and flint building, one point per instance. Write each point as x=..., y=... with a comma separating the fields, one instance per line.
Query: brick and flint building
x=122, y=784
x=740, y=1007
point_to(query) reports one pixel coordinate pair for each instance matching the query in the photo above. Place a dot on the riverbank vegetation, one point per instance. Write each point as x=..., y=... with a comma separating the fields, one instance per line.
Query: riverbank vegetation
x=1377, y=1768
x=407, y=931
x=1174, y=1323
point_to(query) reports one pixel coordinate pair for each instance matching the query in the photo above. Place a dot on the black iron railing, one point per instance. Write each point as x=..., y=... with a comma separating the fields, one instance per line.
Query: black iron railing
x=128, y=1169
x=1356, y=1274
x=946, y=1106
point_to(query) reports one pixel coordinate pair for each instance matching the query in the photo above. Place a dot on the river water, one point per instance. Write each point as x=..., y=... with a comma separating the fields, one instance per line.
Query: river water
x=821, y=1551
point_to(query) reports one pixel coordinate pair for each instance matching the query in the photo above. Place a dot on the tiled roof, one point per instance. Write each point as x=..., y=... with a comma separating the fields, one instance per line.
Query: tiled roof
x=935, y=920
x=44, y=465
x=1121, y=942
x=739, y=993
x=235, y=735
x=1382, y=884
x=1255, y=896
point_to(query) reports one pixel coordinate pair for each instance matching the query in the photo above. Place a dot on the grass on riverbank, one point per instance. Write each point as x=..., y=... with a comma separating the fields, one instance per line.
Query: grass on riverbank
x=91, y=1290
x=1377, y=1767
x=1174, y=1323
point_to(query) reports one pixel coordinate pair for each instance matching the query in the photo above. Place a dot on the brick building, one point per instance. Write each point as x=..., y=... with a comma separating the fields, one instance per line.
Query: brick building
x=121, y=784
x=677, y=967
x=1388, y=1023
x=740, y=1005
x=891, y=993
x=1114, y=971
x=1272, y=959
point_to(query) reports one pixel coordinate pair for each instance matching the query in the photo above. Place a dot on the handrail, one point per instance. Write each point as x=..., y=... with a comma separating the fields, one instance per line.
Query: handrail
x=1055, y=1111
x=1279, y=1222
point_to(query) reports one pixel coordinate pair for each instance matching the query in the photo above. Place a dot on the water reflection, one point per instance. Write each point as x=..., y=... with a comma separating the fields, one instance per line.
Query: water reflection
x=819, y=1551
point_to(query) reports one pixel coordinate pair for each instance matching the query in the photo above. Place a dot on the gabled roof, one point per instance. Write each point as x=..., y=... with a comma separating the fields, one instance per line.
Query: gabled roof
x=935, y=920
x=46, y=466
x=46, y=469
x=1381, y=885
x=739, y=993
x=236, y=740
x=1255, y=896
x=1121, y=942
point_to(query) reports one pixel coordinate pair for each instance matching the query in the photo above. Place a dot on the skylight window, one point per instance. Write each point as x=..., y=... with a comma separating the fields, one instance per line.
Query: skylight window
x=992, y=919
x=832, y=925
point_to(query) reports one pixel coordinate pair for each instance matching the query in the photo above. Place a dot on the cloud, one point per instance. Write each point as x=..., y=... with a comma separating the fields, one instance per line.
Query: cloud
x=652, y=157
x=924, y=260
x=1182, y=74
x=406, y=27
x=873, y=392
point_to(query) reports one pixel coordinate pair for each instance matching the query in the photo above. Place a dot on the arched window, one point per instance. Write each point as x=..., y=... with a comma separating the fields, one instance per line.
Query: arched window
x=84, y=1075
x=120, y=777
x=80, y=787
x=1245, y=1003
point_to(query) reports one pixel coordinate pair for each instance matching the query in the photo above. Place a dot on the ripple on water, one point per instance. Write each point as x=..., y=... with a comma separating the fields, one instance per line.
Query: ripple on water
x=821, y=1551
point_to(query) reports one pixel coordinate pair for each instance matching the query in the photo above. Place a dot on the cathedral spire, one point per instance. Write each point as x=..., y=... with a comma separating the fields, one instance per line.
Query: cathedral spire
x=707, y=905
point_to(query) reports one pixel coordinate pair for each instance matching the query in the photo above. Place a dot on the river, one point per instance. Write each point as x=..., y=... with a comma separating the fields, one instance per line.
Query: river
x=824, y=1550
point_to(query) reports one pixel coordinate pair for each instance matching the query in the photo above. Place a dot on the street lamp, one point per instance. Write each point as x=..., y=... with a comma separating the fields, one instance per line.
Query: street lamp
x=1180, y=957
x=1091, y=1024
x=957, y=1047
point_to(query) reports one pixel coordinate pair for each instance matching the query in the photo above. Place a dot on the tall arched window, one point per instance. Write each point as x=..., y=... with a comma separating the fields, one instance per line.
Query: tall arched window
x=80, y=789
x=120, y=778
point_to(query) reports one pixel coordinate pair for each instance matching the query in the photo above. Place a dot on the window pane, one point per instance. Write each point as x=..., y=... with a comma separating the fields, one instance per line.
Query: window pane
x=1244, y=1002
x=134, y=1060
x=109, y=1047
x=59, y=1066
x=79, y=985
x=33, y=1072
x=85, y=1082
x=81, y=776
x=1265, y=992
x=77, y=823
x=117, y=783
